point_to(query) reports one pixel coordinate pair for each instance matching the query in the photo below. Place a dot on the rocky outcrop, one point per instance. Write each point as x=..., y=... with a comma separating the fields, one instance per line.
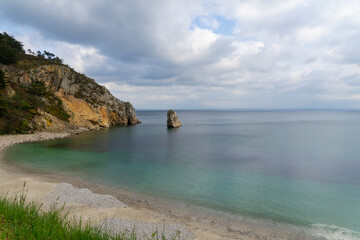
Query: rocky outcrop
x=172, y=119
x=89, y=105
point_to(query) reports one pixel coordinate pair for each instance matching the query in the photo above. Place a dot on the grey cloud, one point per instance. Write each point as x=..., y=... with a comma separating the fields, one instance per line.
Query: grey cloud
x=352, y=80
x=349, y=49
x=148, y=43
x=310, y=59
x=161, y=73
x=120, y=30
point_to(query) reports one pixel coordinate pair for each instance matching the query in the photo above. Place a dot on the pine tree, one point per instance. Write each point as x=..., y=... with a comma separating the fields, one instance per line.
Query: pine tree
x=2, y=79
x=10, y=49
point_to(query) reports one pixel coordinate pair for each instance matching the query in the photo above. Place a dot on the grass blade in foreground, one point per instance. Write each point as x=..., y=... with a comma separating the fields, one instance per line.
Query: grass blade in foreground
x=22, y=220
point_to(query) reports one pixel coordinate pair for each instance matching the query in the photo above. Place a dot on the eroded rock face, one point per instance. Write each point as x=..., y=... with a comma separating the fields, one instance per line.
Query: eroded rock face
x=172, y=119
x=89, y=104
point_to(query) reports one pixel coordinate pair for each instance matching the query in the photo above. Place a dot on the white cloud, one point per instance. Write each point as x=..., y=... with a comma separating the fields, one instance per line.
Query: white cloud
x=81, y=58
x=311, y=34
x=247, y=47
x=201, y=39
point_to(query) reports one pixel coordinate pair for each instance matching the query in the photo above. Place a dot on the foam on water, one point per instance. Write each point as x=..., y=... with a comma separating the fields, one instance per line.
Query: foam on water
x=333, y=232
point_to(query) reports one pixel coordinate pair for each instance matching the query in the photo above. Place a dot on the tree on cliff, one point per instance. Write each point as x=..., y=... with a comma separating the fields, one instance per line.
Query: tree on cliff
x=47, y=55
x=10, y=49
x=2, y=80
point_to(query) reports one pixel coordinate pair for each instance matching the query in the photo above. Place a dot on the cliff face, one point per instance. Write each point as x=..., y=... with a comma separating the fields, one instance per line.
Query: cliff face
x=86, y=103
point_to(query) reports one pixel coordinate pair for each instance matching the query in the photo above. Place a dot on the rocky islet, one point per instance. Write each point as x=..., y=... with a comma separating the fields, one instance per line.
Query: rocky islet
x=172, y=119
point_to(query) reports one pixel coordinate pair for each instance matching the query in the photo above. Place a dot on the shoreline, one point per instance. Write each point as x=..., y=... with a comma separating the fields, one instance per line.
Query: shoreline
x=141, y=209
x=9, y=140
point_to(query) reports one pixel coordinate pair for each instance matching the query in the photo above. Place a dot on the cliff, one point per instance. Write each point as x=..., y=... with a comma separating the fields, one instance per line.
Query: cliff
x=55, y=98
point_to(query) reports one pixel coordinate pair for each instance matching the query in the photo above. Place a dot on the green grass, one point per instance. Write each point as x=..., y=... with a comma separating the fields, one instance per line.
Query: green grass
x=20, y=219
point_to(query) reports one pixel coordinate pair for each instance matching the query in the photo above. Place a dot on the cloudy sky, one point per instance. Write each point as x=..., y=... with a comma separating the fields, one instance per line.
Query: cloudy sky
x=202, y=54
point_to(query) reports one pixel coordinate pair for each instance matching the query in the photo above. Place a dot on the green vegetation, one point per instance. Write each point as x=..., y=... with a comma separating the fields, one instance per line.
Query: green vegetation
x=10, y=49
x=22, y=220
x=17, y=110
x=56, y=109
x=12, y=53
x=27, y=61
x=2, y=79
x=49, y=56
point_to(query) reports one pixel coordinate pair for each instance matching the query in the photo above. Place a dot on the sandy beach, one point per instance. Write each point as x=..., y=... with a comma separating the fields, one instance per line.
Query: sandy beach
x=119, y=210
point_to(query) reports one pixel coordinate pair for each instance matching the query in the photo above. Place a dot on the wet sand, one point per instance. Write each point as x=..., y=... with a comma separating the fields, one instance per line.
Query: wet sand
x=144, y=212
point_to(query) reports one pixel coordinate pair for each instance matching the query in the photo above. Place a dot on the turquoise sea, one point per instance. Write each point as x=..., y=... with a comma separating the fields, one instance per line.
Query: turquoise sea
x=297, y=167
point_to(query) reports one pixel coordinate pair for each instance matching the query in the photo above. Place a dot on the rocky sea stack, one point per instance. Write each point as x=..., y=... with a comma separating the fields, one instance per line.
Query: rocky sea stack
x=172, y=119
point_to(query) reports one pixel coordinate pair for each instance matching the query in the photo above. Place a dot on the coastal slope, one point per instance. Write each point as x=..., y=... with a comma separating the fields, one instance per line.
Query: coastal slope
x=87, y=104
x=40, y=93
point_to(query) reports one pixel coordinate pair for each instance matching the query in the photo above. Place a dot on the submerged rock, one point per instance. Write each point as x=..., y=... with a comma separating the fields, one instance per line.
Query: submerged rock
x=172, y=119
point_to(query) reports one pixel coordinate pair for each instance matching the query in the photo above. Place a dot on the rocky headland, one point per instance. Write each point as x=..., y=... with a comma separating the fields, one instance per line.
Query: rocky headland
x=68, y=99
x=39, y=93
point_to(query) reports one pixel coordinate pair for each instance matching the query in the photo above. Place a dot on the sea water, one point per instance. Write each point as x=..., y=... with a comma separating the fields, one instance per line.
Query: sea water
x=297, y=167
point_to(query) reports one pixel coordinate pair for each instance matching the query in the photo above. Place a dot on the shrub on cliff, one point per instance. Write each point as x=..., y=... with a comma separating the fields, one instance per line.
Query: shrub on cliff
x=37, y=88
x=55, y=108
x=2, y=80
x=10, y=49
x=18, y=111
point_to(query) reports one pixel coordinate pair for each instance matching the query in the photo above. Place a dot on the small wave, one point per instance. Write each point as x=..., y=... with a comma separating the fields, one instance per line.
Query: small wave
x=333, y=232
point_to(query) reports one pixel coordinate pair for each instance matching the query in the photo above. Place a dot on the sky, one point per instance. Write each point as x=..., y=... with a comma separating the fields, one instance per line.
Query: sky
x=203, y=54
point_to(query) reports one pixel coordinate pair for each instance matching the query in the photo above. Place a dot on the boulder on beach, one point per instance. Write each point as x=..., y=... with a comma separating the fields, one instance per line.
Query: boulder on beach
x=172, y=119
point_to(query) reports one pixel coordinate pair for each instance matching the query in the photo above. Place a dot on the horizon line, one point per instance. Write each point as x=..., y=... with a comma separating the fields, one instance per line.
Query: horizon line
x=251, y=109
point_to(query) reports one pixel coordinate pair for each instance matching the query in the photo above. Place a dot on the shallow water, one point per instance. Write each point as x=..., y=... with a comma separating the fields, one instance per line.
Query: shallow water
x=289, y=166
